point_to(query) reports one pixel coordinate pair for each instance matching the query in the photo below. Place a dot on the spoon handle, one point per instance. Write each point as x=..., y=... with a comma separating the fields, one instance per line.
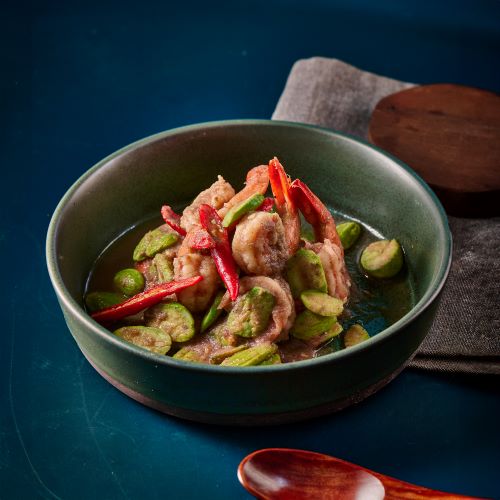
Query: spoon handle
x=398, y=490
x=395, y=489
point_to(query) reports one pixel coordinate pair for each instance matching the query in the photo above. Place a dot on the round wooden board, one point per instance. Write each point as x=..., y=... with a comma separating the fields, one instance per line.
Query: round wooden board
x=450, y=135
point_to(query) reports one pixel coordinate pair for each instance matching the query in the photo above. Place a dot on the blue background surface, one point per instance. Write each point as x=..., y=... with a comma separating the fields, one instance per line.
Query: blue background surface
x=77, y=83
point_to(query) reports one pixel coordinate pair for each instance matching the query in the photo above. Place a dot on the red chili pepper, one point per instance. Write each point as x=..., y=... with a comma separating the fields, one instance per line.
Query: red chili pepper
x=267, y=205
x=143, y=300
x=199, y=239
x=172, y=219
x=221, y=252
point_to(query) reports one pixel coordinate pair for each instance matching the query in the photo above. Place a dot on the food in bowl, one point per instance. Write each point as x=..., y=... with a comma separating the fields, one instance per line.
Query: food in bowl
x=241, y=279
x=108, y=210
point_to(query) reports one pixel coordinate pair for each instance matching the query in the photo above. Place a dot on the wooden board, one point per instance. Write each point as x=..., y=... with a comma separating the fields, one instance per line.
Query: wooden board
x=450, y=135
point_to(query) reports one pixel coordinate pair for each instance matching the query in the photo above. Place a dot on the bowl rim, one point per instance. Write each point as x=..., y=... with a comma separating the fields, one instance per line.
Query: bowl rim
x=81, y=315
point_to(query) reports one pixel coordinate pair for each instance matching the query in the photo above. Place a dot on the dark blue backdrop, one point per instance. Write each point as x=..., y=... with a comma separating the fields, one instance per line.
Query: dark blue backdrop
x=79, y=81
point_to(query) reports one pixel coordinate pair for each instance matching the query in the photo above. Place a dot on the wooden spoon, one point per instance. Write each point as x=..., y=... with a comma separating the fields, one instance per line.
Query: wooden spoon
x=280, y=473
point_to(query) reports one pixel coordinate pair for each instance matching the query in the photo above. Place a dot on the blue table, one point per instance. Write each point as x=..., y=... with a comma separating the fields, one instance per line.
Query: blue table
x=78, y=83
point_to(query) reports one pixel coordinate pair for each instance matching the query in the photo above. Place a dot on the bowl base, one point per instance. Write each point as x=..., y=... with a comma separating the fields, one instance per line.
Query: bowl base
x=249, y=419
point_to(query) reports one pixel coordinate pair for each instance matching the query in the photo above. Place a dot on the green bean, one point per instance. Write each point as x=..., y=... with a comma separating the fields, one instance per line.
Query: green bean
x=355, y=334
x=173, y=318
x=308, y=325
x=237, y=212
x=152, y=339
x=322, y=303
x=95, y=301
x=382, y=259
x=129, y=282
x=348, y=233
x=251, y=313
x=251, y=356
x=305, y=272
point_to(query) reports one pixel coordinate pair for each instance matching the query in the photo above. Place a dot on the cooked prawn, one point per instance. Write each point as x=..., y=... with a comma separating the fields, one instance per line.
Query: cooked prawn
x=316, y=213
x=190, y=262
x=285, y=205
x=216, y=195
x=329, y=248
x=197, y=298
x=257, y=182
x=259, y=244
x=263, y=242
x=332, y=260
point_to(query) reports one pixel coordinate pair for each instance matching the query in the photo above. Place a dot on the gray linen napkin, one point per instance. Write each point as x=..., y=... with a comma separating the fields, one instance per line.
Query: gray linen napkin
x=465, y=336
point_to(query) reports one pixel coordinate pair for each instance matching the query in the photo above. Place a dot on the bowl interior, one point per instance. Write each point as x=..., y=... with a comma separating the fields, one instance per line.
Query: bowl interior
x=173, y=167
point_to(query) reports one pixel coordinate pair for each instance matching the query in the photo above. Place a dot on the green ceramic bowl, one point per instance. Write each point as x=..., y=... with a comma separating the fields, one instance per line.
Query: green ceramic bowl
x=172, y=167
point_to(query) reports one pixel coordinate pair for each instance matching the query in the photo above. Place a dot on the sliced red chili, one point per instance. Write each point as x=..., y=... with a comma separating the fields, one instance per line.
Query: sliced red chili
x=221, y=252
x=199, y=239
x=172, y=219
x=143, y=300
x=267, y=205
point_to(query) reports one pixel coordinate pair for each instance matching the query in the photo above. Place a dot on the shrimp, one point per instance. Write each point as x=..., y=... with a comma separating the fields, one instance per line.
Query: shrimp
x=285, y=205
x=332, y=260
x=316, y=214
x=257, y=182
x=329, y=247
x=259, y=244
x=190, y=262
x=262, y=241
x=216, y=195
x=198, y=297
x=283, y=313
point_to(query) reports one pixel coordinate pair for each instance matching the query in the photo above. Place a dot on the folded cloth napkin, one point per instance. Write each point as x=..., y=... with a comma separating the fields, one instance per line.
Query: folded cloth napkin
x=465, y=336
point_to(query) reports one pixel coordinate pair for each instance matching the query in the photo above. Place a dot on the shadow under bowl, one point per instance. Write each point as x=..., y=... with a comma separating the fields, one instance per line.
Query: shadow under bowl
x=172, y=167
